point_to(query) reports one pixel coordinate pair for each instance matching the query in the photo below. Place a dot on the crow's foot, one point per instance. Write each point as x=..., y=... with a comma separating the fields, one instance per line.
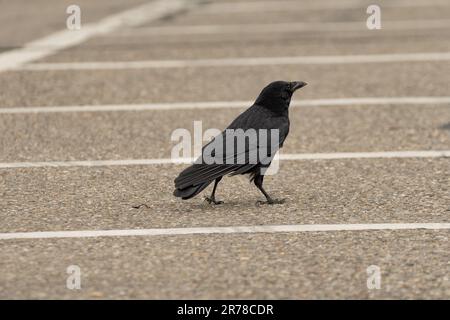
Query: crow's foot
x=213, y=201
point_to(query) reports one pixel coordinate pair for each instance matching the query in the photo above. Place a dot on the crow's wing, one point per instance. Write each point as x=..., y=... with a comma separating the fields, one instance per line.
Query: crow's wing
x=236, y=162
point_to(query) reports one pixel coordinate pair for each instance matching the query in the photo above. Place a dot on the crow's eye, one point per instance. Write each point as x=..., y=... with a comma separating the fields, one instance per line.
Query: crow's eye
x=285, y=94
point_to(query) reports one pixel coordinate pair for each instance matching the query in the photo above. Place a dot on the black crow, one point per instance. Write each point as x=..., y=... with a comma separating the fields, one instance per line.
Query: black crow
x=269, y=113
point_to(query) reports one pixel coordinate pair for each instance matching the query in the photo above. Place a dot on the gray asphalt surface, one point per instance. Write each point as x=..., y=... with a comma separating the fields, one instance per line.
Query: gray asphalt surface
x=414, y=263
x=317, y=192
x=358, y=13
x=254, y=45
x=278, y=266
x=74, y=136
x=23, y=21
x=207, y=84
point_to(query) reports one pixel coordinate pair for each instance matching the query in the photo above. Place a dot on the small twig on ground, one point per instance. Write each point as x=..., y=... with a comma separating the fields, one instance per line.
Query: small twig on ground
x=138, y=206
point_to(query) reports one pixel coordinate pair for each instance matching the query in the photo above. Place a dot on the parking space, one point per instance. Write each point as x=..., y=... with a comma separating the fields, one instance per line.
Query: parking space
x=193, y=64
x=282, y=266
x=148, y=134
x=129, y=86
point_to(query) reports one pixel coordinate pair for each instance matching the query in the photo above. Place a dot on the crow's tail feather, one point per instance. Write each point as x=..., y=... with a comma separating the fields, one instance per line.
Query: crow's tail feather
x=191, y=191
x=197, y=177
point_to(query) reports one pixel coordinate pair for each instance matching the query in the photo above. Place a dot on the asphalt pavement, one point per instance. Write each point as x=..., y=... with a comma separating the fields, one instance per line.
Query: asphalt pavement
x=346, y=191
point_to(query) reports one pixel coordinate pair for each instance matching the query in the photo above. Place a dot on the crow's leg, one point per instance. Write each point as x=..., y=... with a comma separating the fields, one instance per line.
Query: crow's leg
x=259, y=184
x=212, y=198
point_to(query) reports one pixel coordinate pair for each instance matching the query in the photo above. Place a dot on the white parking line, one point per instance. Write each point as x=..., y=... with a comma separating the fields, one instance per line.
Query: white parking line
x=265, y=28
x=66, y=38
x=284, y=157
x=292, y=5
x=224, y=230
x=229, y=62
x=394, y=101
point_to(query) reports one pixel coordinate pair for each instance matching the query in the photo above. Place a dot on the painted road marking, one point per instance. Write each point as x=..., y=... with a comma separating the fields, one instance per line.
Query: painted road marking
x=395, y=101
x=230, y=62
x=292, y=5
x=224, y=230
x=284, y=157
x=393, y=25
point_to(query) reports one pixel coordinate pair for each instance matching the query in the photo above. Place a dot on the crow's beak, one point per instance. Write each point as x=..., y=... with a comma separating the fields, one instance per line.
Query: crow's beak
x=297, y=85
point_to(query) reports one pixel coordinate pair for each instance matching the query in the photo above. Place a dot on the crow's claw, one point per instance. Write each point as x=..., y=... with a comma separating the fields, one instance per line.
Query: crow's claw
x=213, y=201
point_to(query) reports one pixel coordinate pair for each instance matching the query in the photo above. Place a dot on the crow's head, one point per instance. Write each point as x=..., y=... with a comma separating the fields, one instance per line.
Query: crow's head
x=278, y=94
